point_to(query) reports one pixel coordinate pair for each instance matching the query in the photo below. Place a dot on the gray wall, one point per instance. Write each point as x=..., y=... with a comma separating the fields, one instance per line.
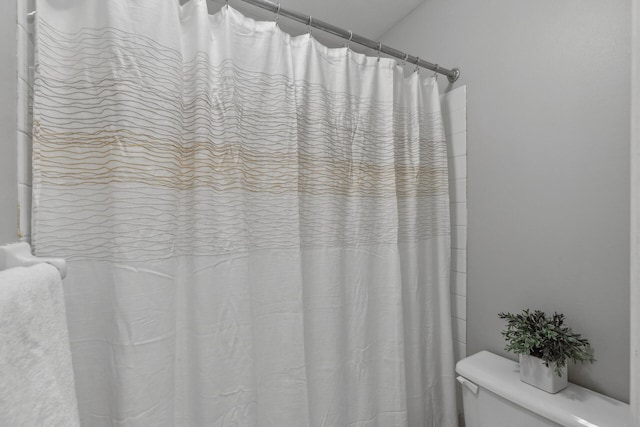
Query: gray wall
x=635, y=214
x=8, y=124
x=548, y=87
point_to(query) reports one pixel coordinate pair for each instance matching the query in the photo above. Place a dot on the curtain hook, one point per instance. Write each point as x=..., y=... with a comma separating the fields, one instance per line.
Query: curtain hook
x=436, y=70
x=417, y=69
x=404, y=61
x=277, y=14
x=309, y=24
x=379, y=49
x=226, y=3
x=349, y=41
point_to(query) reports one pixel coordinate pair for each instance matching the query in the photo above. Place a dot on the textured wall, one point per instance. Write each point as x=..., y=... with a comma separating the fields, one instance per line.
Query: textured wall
x=548, y=88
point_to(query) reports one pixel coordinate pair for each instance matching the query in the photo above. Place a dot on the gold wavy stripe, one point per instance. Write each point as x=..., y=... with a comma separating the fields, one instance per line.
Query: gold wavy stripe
x=223, y=166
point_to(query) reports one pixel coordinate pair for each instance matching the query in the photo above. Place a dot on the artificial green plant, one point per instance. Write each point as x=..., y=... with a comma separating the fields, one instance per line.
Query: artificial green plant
x=535, y=334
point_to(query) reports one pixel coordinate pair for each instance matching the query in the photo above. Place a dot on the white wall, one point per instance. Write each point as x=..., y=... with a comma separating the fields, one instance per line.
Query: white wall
x=454, y=114
x=25, y=114
x=8, y=147
x=548, y=163
x=635, y=216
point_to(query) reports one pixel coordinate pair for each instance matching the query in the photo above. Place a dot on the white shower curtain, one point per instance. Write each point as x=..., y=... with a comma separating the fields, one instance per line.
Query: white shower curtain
x=257, y=226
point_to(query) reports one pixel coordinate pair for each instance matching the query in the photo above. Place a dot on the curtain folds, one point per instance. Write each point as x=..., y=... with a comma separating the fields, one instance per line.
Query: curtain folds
x=257, y=226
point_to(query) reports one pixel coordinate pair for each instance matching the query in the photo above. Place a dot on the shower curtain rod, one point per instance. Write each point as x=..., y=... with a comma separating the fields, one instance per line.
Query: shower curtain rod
x=451, y=74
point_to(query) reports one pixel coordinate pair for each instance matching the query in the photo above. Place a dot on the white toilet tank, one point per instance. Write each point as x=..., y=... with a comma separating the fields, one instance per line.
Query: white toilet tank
x=494, y=396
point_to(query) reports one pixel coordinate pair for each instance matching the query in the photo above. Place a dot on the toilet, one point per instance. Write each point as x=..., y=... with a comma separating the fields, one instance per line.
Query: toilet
x=494, y=396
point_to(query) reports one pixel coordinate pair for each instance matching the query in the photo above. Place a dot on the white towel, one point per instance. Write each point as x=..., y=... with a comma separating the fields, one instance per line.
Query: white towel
x=36, y=377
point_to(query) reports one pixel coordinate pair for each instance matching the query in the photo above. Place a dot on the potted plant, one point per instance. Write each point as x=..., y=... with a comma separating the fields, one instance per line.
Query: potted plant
x=544, y=345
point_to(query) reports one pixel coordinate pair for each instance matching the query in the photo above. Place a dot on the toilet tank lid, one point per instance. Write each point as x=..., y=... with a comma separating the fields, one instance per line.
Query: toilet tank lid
x=573, y=406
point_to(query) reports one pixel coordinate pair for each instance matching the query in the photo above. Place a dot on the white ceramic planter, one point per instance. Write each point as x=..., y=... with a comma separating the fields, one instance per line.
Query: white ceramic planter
x=533, y=371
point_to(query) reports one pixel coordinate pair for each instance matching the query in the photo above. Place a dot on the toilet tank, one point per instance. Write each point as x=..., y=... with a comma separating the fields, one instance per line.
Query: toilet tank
x=494, y=396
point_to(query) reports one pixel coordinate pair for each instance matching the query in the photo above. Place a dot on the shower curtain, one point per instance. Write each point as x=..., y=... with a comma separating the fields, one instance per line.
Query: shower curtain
x=257, y=226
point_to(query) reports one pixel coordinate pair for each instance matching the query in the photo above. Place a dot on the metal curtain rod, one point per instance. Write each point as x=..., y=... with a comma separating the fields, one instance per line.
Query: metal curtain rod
x=308, y=20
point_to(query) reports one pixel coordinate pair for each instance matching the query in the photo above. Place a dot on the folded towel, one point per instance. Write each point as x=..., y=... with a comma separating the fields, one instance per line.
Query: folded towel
x=36, y=377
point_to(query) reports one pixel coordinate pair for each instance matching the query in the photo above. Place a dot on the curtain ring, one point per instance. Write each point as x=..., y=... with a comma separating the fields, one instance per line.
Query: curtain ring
x=226, y=3
x=349, y=41
x=379, y=49
x=277, y=14
x=404, y=61
x=309, y=24
x=436, y=69
x=417, y=69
